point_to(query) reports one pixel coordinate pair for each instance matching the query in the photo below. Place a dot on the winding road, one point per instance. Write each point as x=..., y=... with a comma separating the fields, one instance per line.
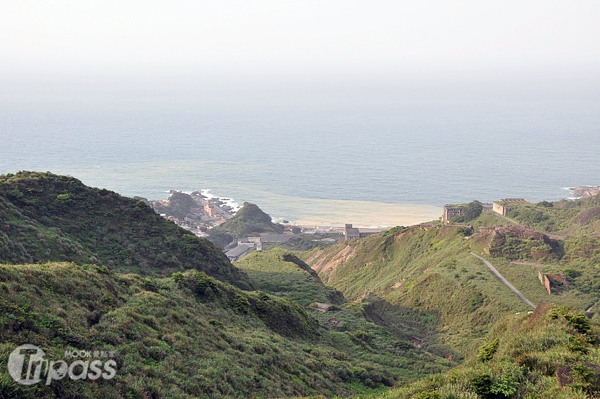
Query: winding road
x=509, y=285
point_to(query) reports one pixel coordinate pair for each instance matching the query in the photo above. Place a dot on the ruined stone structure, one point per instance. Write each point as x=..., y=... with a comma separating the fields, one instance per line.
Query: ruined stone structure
x=545, y=280
x=503, y=206
x=547, y=285
x=450, y=211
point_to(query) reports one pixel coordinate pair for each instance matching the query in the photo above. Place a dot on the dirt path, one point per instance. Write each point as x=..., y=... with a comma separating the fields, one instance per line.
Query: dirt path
x=509, y=285
x=524, y=263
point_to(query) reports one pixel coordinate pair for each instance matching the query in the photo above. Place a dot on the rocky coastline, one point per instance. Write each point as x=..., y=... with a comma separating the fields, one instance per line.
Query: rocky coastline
x=585, y=191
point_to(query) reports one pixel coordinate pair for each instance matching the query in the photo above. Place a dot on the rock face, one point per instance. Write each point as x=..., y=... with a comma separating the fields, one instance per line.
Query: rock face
x=585, y=191
x=499, y=241
x=565, y=374
x=584, y=217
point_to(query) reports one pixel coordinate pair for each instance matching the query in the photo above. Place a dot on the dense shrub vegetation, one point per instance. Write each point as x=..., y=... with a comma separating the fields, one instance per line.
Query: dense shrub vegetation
x=405, y=304
x=552, y=353
x=184, y=336
x=250, y=219
x=571, y=218
x=44, y=217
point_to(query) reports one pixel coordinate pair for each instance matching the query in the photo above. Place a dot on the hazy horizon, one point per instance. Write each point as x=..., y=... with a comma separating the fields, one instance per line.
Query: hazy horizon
x=152, y=47
x=279, y=102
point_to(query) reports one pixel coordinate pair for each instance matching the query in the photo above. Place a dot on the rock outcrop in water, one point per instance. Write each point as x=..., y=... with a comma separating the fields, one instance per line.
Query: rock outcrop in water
x=585, y=191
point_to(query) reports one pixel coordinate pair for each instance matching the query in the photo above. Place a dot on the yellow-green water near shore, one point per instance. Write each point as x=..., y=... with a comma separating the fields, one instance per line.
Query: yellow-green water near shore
x=153, y=180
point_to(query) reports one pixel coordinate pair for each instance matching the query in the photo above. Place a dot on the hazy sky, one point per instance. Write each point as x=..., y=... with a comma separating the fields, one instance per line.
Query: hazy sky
x=328, y=37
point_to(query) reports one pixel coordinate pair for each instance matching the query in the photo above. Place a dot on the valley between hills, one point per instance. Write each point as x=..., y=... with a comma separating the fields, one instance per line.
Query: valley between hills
x=407, y=313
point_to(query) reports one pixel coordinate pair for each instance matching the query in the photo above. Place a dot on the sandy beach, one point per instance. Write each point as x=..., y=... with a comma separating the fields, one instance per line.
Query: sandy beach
x=363, y=214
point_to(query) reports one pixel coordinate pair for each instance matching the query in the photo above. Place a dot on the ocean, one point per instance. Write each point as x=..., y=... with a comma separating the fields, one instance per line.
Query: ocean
x=374, y=161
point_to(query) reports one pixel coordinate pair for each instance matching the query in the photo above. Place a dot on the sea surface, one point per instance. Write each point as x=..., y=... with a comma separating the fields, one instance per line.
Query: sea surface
x=367, y=160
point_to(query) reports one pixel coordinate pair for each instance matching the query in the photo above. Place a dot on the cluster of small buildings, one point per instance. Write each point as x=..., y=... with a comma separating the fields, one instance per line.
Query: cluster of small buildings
x=243, y=246
x=207, y=213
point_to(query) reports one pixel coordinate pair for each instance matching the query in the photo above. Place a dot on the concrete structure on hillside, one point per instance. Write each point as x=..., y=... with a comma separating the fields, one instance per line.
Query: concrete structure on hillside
x=322, y=307
x=353, y=232
x=503, y=206
x=450, y=211
x=275, y=237
x=239, y=252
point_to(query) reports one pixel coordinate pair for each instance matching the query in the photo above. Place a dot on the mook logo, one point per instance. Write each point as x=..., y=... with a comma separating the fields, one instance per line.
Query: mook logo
x=27, y=366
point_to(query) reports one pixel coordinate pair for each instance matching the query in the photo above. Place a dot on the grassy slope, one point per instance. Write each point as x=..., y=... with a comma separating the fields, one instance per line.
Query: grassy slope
x=44, y=217
x=186, y=336
x=574, y=227
x=303, y=242
x=281, y=273
x=364, y=333
x=531, y=348
x=431, y=271
x=572, y=218
x=487, y=219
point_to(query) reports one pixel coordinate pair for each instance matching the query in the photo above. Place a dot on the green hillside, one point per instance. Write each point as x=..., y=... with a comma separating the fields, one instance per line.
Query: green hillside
x=552, y=353
x=45, y=217
x=250, y=219
x=187, y=336
x=564, y=218
x=369, y=330
x=429, y=270
x=402, y=305
x=281, y=273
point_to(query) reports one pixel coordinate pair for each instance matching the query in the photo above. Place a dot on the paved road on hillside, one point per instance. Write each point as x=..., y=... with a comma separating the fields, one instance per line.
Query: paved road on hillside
x=504, y=217
x=509, y=285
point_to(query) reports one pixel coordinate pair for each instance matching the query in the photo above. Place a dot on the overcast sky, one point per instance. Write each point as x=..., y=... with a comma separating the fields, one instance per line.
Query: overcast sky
x=324, y=37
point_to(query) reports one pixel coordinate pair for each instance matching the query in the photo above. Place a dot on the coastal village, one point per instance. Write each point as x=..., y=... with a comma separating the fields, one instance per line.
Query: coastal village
x=324, y=235
x=194, y=211
x=200, y=213
x=297, y=290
